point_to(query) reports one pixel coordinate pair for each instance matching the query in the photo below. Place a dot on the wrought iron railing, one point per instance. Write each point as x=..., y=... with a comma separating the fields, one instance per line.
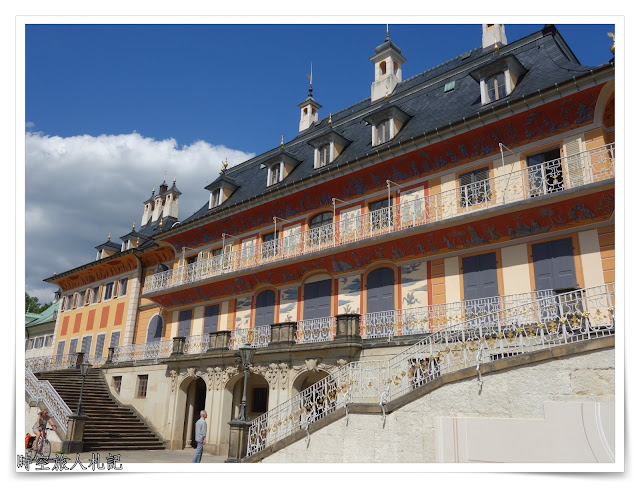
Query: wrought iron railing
x=42, y=391
x=196, y=344
x=143, y=352
x=254, y=337
x=549, y=177
x=51, y=363
x=316, y=330
x=543, y=323
x=423, y=320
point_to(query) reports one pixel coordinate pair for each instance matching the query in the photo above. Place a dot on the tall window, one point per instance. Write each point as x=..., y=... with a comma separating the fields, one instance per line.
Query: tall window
x=274, y=174
x=496, y=88
x=383, y=132
x=475, y=187
x=95, y=294
x=545, y=172
x=379, y=218
x=123, y=287
x=269, y=245
x=141, y=391
x=320, y=230
x=108, y=290
x=324, y=155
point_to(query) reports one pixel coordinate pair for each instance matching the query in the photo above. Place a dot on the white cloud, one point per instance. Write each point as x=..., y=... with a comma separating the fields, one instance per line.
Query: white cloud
x=29, y=125
x=80, y=188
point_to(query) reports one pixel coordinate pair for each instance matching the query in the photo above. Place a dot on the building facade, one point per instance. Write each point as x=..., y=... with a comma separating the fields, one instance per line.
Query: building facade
x=486, y=180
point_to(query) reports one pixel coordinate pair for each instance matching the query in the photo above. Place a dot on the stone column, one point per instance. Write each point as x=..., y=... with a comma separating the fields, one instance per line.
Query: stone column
x=238, y=437
x=348, y=327
x=220, y=340
x=191, y=394
x=283, y=334
x=178, y=346
x=75, y=434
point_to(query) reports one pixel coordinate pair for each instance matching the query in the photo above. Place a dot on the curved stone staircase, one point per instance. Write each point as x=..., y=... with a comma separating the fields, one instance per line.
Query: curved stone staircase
x=110, y=425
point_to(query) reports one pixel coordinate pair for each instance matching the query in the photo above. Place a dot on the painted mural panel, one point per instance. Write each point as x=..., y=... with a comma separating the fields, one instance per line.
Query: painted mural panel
x=349, y=224
x=289, y=305
x=414, y=285
x=412, y=207
x=243, y=312
x=349, y=294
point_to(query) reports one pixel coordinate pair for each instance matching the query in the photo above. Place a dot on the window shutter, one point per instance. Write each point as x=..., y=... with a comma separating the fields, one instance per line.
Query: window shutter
x=576, y=163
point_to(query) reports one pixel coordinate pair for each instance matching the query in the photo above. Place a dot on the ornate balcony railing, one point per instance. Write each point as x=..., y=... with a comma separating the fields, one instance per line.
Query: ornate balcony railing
x=549, y=177
x=51, y=363
x=254, y=337
x=196, y=344
x=423, y=320
x=42, y=391
x=316, y=330
x=143, y=352
x=543, y=323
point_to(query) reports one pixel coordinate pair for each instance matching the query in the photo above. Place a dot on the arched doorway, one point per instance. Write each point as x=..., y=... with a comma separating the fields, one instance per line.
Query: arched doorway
x=305, y=380
x=195, y=400
x=257, y=396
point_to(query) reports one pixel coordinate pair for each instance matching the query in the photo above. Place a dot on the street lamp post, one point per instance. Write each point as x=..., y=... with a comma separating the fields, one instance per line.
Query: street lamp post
x=246, y=354
x=84, y=370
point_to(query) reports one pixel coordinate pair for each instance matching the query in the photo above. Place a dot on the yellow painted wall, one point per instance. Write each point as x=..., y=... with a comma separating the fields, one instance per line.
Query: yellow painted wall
x=452, y=279
x=591, y=259
x=85, y=311
x=515, y=269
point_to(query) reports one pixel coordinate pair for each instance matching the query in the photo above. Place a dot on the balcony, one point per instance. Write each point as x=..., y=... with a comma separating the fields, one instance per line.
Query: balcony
x=546, y=178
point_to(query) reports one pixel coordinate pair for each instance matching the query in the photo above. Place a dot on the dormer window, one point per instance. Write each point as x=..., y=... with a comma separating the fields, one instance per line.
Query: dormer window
x=221, y=189
x=383, y=132
x=328, y=147
x=275, y=173
x=324, y=155
x=496, y=87
x=216, y=197
x=498, y=78
x=385, y=124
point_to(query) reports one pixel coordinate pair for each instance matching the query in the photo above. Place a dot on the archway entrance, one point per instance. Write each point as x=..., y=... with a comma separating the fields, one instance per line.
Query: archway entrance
x=305, y=380
x=257, y=396
x=196, y=396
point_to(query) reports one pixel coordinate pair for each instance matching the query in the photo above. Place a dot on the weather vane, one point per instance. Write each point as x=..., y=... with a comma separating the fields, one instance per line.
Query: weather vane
x=613, y=38
x=224, y=166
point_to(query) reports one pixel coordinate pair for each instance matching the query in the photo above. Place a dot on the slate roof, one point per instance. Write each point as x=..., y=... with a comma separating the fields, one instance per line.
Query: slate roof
x=544, y=55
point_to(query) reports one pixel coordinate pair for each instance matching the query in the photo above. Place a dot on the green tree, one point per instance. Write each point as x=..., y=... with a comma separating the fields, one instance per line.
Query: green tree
x=32, y=305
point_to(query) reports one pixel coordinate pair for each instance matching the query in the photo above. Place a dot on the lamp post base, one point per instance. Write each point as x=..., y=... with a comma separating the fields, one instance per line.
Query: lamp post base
x=238, y=440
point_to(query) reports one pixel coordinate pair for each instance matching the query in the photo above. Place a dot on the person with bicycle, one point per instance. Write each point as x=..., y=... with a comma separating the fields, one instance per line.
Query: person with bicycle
x=40, y=427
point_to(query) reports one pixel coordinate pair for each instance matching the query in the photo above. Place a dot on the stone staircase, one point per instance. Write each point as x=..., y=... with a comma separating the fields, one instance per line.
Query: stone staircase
x=110, y=425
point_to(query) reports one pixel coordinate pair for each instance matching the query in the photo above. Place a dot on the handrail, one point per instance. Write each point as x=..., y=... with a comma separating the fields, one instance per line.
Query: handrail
x=142, y=352
x=561, y=174
x=42, y=391
x=255, y=337
x=51, y=363
x=543, y=323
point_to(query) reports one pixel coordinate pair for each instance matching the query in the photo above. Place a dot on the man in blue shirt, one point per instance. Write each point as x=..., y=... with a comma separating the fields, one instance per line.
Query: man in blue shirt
x=201, y=436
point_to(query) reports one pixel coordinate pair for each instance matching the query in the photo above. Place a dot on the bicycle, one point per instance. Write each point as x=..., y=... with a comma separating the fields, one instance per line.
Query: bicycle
x=43, y=449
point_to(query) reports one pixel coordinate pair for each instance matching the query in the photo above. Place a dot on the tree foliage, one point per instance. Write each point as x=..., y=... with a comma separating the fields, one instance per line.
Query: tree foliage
x=32, y=305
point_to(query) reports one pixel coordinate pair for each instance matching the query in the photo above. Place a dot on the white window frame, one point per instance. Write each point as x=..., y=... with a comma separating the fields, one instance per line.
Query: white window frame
x=48, y=341
x=280, y=173
x=329, y=148
x=387, y=135
x=215, y=199
x=104, y=292
x=104, y=334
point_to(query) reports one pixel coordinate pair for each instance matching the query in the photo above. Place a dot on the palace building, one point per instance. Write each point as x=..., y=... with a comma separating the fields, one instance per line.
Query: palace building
x=475, y=196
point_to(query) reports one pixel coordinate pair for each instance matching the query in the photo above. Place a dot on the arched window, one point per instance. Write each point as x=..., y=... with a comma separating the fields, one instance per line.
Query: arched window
x=154, y=331
x=265, y=308
x=383, y=68
x=380, y=290
x=320, y=220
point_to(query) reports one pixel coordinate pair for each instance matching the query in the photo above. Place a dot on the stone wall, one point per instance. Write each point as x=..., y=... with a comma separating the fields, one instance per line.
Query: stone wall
x=557, y=403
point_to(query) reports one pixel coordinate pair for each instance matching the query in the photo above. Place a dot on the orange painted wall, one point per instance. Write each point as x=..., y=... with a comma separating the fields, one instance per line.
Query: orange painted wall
x=606, y=236
x=437, y=281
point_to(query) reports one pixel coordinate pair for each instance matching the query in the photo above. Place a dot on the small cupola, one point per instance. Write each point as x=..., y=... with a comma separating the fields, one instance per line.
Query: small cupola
x=493, y=36
x=309, y=107
x=388, y=62
x=148, y=208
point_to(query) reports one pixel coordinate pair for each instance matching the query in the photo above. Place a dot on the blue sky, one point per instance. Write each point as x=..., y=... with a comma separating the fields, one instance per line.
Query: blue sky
x=237, y=85
x=109, y=108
